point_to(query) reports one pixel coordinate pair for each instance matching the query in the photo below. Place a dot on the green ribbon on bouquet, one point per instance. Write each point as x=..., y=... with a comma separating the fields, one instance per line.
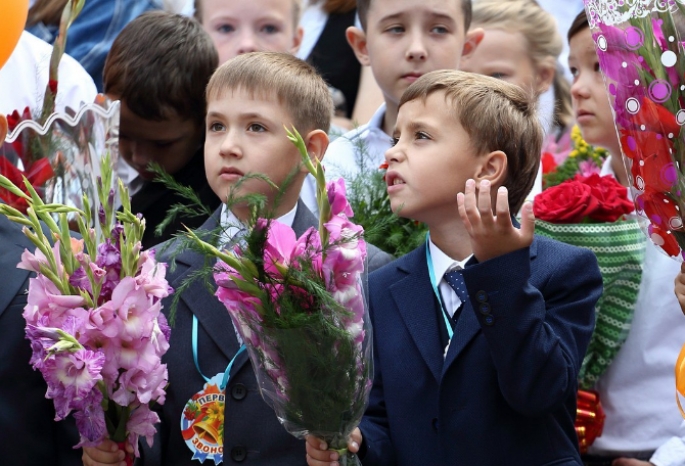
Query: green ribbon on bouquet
x=620, y=249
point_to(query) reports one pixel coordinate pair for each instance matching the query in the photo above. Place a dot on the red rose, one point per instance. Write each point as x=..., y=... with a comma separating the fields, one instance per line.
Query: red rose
x=568, y=202
x=612, y=197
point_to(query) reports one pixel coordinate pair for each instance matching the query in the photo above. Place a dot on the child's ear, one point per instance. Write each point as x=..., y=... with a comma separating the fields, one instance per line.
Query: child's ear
x=357, y=40
x=493, y=167
x=473, y=38
x=297, y=39
x=545, y=75
x=317, y=143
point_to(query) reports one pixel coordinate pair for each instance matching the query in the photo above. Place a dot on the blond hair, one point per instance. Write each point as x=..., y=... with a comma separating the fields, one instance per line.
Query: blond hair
x=505, y=120
x=296, y=85
x=539, y=29
x=297, y=11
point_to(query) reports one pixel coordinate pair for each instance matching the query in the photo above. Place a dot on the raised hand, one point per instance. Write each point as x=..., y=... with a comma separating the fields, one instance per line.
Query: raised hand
x=493, y=234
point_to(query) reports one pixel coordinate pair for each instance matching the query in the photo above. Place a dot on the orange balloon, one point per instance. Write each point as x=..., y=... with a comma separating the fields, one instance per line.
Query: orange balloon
x=13, y=15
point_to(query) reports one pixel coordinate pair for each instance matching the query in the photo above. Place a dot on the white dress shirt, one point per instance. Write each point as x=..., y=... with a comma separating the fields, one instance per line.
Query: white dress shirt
x=442, y=263
x=24, y=77
x=344, y=156
x=638, y=389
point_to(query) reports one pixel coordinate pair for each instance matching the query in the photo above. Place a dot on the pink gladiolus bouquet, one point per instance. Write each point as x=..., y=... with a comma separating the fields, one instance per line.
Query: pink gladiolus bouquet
x=94, y=314
x=298, y=304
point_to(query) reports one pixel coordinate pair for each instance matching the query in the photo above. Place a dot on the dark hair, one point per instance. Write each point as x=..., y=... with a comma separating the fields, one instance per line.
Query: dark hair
x=364, y=5
x=507, y=121
x=159, y=65
x=578, y=25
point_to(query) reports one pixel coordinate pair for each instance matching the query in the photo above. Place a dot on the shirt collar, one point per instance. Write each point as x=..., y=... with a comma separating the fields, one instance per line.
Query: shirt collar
x=442, y=263
x=376, y=120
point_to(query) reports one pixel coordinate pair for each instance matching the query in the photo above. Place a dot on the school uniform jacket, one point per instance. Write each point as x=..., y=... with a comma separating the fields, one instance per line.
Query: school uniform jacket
x=505, y=392
x=29, y=434
x=253, y=435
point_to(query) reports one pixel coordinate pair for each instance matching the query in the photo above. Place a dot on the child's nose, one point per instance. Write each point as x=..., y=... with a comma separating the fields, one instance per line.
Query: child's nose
x=230, y=147
x=417, y=49
x=247, y=43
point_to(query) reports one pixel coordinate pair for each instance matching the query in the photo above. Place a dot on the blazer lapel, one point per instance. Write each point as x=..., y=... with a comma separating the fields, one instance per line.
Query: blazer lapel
x=14, y=243
x=210, y=312
x=413, y=296
x=468, y=325
x=304, y=219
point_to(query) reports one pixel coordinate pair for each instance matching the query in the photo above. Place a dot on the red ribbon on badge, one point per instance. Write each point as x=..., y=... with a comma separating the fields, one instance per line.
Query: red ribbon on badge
x=589, y=418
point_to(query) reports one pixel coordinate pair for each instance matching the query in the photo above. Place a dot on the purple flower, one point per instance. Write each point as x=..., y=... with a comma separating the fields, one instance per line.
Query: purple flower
x=141, y=424
x=80, y=280
x=152, y=276
x=90, y=420
x=337, y=198
x=108, y=255
x=45, y=298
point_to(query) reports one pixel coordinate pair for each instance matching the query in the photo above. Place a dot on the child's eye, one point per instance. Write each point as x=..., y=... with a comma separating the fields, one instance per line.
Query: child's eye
x=270, y=29
x=256, y=128
x=395, y=30
x=574, y=71
x=597, y=69
x=216, y=127
x=439, y=30
x=225, y=28
x=498, y=75
x=163, y=144
x=394, y=141
x=421, y=135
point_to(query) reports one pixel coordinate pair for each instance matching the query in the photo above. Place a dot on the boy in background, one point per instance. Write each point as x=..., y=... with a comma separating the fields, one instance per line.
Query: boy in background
x=250, y=100
x=400, y=40
x=158, y=68
x=480, y=333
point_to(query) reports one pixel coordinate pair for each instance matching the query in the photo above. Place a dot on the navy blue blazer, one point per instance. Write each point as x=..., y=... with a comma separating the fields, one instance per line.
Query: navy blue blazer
x=252, y=433
x=505, y=394
x=29, y=434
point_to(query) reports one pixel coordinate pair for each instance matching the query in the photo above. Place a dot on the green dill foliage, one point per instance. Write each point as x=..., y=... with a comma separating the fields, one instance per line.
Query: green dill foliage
x=367, y=194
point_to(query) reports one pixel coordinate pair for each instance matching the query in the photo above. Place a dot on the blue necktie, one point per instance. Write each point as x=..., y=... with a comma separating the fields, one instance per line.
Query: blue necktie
x=456, y=281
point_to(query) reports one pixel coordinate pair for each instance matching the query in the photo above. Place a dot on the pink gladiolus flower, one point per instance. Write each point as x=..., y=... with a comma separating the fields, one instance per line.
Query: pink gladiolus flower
x=134, y=308
x=44, y=297
x=152, y=276
x=90, y=421
x=141, y=424
x=337, y=198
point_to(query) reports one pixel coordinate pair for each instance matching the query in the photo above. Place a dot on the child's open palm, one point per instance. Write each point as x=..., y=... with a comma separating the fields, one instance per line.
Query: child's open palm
x=493, y=235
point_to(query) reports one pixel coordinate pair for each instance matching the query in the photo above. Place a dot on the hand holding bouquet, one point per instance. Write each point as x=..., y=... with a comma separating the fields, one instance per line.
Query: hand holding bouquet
x=93, y=313
x=298, y=305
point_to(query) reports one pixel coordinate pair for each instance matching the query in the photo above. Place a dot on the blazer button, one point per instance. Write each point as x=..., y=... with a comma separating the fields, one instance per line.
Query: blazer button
x=481, y=296
x=434, y=424
x=238, y=454
x=489, y=320
x=238, y=391
x=484, y=309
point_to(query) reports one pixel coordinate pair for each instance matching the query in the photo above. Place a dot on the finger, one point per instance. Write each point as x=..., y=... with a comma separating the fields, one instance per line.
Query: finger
x=462, y=212
x=527, y=221
x=356, y=436
x=485, y=202
x=317, y=450
x=470, y=203
x=106, y=453
x=503, y=219
x=682, y=267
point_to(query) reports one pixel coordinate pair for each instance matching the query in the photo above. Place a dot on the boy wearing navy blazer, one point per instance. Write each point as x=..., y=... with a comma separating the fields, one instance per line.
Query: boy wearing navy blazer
x=251, y=99
x=480, y=333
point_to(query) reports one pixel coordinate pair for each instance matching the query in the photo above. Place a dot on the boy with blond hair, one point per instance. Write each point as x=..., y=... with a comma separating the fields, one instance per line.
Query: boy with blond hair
x=400, y=40
x=250, y=101
x=478, y=334
x=254, y=26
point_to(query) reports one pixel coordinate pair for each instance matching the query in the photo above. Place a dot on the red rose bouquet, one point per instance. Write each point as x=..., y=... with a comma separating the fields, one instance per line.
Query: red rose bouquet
x=592, y=212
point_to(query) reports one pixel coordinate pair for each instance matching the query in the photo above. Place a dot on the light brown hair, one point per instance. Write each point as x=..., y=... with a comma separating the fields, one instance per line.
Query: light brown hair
x=159, y=65
x=506, y=121
x=543, y=41
x=295, y=83
x=364, y=5
x=297, y=10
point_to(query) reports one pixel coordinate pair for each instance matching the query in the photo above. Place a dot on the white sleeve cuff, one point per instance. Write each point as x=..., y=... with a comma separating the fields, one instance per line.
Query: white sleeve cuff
x=671, y=453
